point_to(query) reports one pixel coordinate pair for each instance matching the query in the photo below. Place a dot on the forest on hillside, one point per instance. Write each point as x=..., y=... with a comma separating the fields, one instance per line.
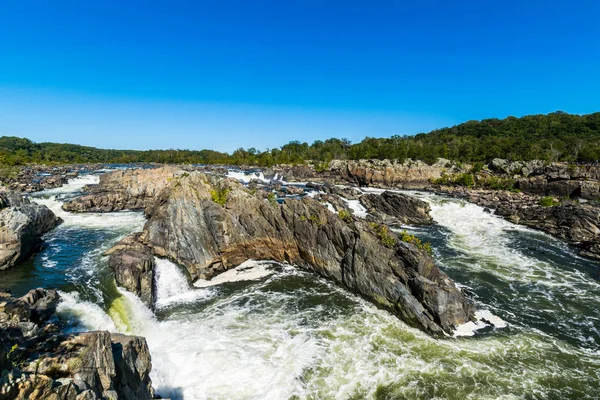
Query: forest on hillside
x=557, y=136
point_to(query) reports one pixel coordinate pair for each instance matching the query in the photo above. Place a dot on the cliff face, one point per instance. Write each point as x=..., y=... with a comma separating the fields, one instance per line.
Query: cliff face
x=187, y=226
x=45, y=363
x=22, y=223
x=387, y=173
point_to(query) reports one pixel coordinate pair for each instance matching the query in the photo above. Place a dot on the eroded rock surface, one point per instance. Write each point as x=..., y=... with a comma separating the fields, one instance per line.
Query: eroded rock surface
x=124, y=190
x=187, y=226
x=41, y=362
x=397, y=209
x=22, y=224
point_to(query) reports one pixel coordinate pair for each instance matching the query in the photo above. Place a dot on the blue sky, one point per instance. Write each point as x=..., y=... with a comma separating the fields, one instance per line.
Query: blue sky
x=227, y=74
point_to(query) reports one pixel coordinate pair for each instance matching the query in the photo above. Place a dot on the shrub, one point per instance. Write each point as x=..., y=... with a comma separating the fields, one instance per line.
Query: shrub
x=321, y=167
x=383, y=234
x=548, y=201
x=408, y=238
x=496, y=183
x=315, y=220
x=219, y=195
x=465, y=180
x=346, y=216
x=272, y=199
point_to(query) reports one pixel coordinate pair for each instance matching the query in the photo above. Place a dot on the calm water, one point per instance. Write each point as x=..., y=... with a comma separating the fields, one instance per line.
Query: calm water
x=291, y=335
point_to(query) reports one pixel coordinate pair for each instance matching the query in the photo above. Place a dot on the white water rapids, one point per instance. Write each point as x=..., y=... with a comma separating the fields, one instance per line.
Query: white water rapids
x=287, y=334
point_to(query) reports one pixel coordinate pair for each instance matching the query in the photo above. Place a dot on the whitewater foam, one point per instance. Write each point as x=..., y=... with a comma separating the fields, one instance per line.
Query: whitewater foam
x=172, y=286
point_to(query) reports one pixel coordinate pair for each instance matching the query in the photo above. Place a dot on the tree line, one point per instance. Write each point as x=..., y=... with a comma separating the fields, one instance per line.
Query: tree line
x=557, y=136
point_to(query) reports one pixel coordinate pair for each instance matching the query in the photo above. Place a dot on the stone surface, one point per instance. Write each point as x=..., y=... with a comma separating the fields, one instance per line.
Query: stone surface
x=22, y=224
x=41, y=362
x=188, y=227
x=124, y=190
x=134, y=270
x=397, y=209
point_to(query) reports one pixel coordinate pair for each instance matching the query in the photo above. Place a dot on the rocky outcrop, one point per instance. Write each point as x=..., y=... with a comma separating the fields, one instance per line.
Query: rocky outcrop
x=124, y=190
x=133, y=266
x=22, y=224
x=397, y=209
x=41, y=362
x=391, y=174
x=210, y=226
x=563, y=180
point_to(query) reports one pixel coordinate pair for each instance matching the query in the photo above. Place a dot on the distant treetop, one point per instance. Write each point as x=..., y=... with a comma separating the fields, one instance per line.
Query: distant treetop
x=557, y=136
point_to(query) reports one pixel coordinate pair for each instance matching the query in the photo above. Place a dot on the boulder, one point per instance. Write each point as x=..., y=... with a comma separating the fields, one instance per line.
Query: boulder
x=397, y=209
x=22, y=224
x=134, y=270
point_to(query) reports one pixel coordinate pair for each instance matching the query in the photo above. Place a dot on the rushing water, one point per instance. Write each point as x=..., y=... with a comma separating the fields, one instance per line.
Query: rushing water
x=290, y=335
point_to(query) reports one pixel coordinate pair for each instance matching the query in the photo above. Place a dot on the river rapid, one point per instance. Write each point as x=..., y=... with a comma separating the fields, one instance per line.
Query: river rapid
x=287, y=334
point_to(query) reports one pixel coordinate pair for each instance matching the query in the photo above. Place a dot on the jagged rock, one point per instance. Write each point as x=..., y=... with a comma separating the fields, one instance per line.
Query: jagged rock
x=188, y=227
x=42, y=303
x=124, y=190
x=134, y=270
x=22, y=223
x=45, y=363
x=408, y=175
x=397, y=209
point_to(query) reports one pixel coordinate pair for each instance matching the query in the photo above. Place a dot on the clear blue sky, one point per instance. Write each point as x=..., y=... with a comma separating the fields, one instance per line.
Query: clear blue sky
x=223, y=74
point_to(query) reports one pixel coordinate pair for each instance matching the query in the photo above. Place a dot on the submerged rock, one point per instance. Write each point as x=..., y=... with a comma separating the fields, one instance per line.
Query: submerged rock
x=210, y=226
x=22, y=224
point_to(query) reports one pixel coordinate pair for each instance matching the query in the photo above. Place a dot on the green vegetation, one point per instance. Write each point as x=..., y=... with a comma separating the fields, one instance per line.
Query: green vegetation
x=346, y=216
x=315, y=220
x=548, y=201
x=554, y=137
x=219, y=195
x=272, y=198
x=408, y=238
x=383, y=233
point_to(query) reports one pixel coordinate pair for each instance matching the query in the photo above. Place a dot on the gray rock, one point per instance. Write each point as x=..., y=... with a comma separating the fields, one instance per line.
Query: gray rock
x=397, y=209
x=134, y=270
x=207, y=238
x=22, y=224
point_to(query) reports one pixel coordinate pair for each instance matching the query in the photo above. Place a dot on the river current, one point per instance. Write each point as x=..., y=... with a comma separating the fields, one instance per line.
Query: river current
x=292, y=335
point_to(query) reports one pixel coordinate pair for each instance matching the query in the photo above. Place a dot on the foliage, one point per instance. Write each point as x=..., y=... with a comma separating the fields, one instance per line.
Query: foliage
x=556, y=136
x=346, y=216
x=315, y=220
x=408, y=238
x=383, y=233
x=459, y=180
x=219, y=195
x=497, y=183
x=272, y=199
x=548, y=201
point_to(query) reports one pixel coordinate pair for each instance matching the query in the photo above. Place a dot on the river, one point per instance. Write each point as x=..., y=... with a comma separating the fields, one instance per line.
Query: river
x=293, y=335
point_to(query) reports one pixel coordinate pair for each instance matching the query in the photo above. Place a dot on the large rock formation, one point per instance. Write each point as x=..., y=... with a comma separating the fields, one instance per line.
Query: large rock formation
x=41, y=362
x=124, y=190
x=210, y=226
x=397, y=209
x=22, y=223
x=391, y=174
